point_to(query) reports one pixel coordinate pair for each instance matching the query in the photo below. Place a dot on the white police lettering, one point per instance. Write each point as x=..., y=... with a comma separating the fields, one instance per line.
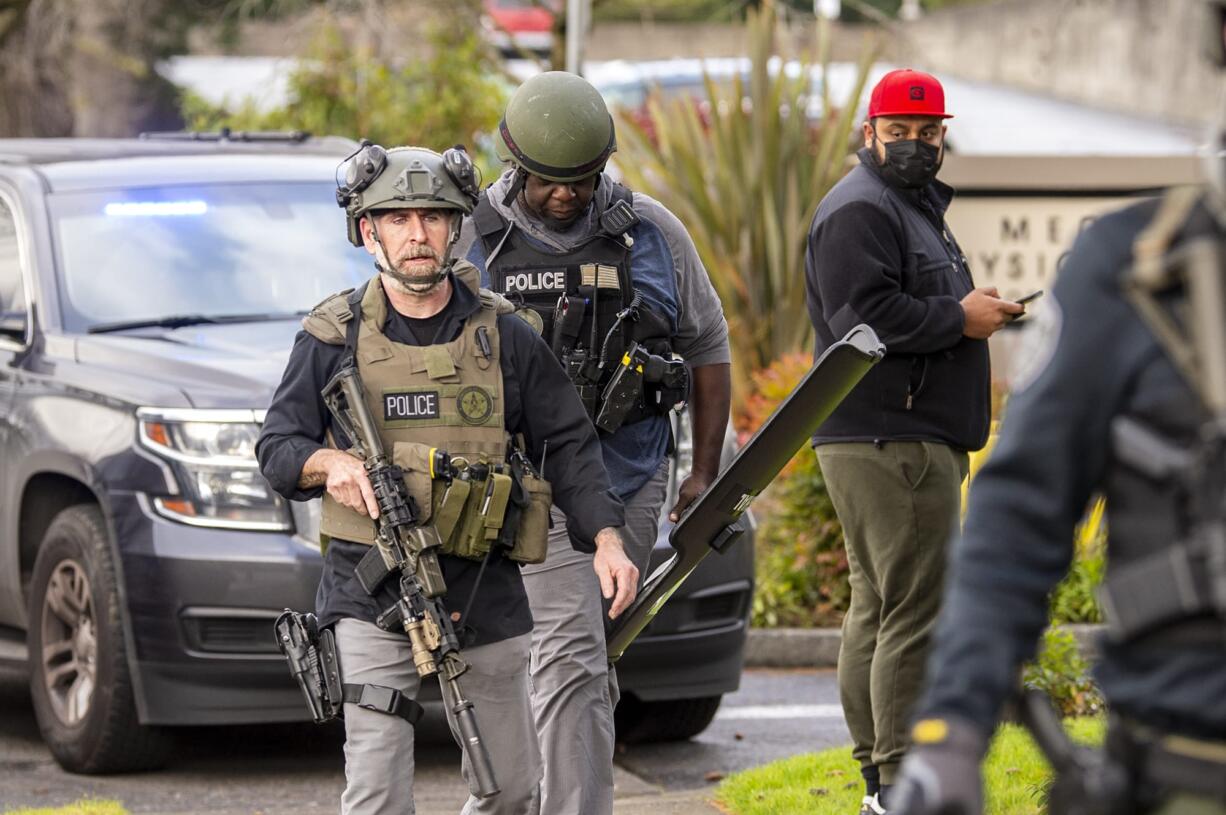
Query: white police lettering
x=535, y=281
x=410, y=405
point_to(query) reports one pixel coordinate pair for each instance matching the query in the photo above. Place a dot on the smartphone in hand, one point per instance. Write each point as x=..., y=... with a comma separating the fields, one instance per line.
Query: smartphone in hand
x=1034, y=295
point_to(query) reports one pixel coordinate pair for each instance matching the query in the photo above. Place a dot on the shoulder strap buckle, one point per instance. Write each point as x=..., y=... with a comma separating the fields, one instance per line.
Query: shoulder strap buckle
x=619, y=219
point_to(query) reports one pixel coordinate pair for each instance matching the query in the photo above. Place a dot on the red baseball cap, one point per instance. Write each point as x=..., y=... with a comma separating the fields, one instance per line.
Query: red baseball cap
x=906, y=92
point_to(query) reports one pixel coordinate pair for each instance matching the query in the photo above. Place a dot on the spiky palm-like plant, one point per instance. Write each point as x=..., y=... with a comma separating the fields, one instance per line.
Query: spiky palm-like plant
x=744, y=169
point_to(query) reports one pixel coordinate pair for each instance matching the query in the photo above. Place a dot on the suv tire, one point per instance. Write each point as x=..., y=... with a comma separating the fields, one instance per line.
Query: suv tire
x=79, y=679
x=638, y=722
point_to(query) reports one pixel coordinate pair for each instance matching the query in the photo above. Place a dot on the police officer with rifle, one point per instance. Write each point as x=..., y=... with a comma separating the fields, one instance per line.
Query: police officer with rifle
x=1123, y=392
x=428, y=414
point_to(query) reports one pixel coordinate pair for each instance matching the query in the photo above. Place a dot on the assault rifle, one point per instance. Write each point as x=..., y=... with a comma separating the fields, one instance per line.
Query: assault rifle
x=411, y=550
x=713, y=522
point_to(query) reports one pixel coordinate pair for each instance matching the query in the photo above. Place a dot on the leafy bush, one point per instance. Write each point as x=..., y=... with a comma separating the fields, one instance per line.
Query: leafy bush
x=744, y=169
x=1063, y=674
x=1073, y=600
x=692, y=11
x=801, y=563
x=450, y=90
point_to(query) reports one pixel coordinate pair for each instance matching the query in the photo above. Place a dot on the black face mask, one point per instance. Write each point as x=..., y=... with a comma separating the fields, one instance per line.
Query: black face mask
x=910, y=164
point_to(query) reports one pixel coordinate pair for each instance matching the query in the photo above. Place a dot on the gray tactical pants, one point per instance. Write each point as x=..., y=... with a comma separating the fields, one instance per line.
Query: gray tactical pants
x=379, y=747
x=574, y=690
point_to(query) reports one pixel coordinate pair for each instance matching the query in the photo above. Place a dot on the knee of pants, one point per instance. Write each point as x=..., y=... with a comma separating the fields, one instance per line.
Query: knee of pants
x=377, y=741
x=564, y=672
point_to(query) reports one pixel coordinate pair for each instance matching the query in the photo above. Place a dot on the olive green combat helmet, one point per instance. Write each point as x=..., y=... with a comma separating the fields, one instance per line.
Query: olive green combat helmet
x=556, y=126
x=376, y=180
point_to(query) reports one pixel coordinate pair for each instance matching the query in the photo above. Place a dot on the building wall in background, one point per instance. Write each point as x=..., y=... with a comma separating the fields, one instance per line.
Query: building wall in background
x=1142, y=57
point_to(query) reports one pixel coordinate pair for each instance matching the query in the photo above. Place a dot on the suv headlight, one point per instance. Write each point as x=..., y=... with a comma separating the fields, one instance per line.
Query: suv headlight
x=212, y=453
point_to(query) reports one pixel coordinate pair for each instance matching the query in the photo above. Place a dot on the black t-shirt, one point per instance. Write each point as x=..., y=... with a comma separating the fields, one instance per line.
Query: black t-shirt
x=424, y=329
x=539, y=402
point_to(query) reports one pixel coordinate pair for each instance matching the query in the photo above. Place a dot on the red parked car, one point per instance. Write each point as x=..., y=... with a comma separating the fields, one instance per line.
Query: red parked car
x=512, y=25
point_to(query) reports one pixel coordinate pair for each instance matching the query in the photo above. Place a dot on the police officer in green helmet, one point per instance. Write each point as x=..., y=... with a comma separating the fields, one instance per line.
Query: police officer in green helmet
x=1122, y=393
x=616, y=286
x=447, y=368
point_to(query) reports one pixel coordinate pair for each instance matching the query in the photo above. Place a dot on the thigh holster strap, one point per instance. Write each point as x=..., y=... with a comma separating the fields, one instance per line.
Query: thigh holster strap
x=382, y=699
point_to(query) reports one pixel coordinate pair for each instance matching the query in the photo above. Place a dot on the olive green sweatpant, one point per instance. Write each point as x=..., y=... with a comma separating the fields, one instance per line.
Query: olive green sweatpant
x=898, y=503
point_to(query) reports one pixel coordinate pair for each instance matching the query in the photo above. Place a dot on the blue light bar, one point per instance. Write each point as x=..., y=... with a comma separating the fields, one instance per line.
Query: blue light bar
x=156, y=208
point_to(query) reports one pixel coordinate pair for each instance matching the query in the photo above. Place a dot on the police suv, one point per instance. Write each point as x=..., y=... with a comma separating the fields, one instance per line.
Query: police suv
x=150, y=291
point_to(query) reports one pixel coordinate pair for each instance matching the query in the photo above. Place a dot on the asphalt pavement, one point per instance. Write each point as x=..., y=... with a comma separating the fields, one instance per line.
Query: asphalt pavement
x=283, y=769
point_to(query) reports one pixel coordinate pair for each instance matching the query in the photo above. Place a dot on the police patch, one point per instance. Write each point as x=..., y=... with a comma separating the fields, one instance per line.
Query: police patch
x=539, y=282
x=404, y=405
x=1037, y=345
x=474, y=404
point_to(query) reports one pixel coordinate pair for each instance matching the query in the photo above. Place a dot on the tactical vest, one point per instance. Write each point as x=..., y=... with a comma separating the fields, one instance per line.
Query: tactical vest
x=1166, y=575
x=586, y=301
x=444, y=397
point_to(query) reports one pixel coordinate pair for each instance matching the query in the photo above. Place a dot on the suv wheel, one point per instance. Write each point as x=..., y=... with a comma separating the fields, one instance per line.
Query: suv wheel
x=638, y=722
x=79, y=671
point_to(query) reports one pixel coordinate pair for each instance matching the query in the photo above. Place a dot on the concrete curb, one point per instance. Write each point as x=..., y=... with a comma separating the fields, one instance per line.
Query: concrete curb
x=819, y=647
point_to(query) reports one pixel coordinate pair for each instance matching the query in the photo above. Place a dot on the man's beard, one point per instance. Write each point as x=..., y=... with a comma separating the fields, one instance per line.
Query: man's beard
x=420, y=282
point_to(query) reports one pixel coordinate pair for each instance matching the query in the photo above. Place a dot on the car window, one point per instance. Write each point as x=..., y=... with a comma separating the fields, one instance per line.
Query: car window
x=12, y=291
x=211, y=250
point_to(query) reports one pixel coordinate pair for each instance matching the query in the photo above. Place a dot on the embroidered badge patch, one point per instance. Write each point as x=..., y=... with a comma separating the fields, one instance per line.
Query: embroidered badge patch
x=474, y=404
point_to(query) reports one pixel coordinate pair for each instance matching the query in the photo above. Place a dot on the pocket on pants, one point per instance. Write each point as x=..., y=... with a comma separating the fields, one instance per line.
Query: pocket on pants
x=915, y=462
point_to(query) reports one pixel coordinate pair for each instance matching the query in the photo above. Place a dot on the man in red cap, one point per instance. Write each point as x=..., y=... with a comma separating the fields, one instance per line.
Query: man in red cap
x=894, y=453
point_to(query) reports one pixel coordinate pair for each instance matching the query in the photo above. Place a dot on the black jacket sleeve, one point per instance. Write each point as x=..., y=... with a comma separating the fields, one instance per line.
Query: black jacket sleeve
x=855, y=263
x=297, y=418
x=557, y=429
x=1085, y=347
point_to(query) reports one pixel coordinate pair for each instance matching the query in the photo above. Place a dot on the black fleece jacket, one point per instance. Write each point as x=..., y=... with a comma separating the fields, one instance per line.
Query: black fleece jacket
x=885, y=257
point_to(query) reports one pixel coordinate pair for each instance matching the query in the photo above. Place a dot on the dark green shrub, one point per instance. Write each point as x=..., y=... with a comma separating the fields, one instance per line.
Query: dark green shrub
x=801, y=564
x=1073, y=600
x=446, y=89
x=1063, y=674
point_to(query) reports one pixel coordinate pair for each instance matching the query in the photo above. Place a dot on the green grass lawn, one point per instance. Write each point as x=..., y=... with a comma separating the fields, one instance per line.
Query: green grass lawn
x=829, y=781
x=86, y=806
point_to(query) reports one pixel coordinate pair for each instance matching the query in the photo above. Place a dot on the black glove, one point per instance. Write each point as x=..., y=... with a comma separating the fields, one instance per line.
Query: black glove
x=940, y=775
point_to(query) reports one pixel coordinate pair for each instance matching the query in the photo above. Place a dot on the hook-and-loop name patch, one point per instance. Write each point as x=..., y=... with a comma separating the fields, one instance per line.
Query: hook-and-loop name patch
x=401, y=405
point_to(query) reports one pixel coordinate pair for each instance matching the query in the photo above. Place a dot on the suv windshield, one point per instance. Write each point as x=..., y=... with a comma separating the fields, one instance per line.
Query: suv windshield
x=223, y=250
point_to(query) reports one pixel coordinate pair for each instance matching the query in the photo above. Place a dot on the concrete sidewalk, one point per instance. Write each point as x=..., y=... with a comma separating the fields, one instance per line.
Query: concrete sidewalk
x=819, y=647
x=634, y=796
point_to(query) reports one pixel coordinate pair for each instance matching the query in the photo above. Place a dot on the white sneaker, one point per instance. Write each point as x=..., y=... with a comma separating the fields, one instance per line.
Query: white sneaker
x=871, y=805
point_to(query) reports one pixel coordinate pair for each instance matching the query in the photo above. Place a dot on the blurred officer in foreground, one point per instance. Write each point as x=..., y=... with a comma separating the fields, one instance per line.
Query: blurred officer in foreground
x=1124, y=393
x=625, y=303
x=894, y=453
